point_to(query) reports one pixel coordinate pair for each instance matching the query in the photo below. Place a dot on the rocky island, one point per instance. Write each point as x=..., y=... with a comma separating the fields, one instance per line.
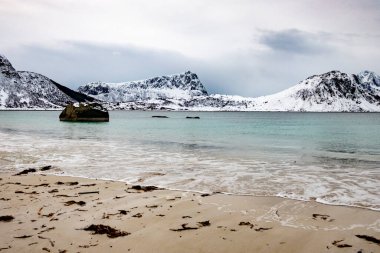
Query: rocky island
x=84, y=113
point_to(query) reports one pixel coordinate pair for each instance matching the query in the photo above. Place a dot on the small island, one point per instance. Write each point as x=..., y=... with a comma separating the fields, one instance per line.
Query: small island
x=93, y=112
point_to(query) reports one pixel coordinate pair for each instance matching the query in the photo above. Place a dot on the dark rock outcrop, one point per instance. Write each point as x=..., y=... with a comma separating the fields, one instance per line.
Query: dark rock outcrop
x=84, y=113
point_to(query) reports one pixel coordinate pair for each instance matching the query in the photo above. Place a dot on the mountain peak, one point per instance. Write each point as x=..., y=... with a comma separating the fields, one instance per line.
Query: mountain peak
x=334, y=74
x=188, y=72
x=4, y=62
x=176, y=86
x=2, y=57
x=6, y=68
x=29, y=90
x=331, y=91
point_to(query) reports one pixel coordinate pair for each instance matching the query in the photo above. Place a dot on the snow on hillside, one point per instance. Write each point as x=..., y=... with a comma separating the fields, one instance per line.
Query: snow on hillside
x=179, y=86
x=333, y=91
x=28, y=90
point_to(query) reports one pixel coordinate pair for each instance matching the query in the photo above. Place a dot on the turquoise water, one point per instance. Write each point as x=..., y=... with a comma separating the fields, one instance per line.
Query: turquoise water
x=334, y=157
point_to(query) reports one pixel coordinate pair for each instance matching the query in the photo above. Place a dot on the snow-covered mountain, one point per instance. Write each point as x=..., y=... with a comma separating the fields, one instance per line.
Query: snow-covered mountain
x=333, y=91
x=28, y=90
x=183, y=86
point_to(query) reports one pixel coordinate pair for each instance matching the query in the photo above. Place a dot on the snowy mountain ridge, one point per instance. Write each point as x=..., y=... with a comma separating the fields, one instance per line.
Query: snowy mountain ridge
x=178, y=86
x=333, y=91
x=32, y=91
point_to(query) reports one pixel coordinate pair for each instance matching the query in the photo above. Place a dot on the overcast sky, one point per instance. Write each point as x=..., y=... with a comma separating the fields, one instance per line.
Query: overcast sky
x=244, y=47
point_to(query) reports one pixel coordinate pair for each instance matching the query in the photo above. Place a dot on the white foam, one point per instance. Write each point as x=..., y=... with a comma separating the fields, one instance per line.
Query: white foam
x=194, y=171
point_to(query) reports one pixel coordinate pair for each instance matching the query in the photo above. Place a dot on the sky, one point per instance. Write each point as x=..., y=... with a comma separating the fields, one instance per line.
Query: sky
x=239, y=47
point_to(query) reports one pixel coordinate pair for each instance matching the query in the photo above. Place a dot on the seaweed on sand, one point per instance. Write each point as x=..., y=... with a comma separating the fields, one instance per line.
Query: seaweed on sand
x=369, y=238
x=104, y=229
x=24, y=172
x=6, y=218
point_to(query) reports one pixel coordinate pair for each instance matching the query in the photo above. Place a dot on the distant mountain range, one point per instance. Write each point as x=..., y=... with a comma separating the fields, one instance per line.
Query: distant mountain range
x=333, y=91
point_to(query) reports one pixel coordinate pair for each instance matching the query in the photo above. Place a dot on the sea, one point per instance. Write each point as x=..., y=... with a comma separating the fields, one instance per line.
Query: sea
x=332, y=158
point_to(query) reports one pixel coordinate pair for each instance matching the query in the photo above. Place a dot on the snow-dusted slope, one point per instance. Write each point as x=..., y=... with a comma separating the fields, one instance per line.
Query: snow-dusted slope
x=28, y=90
x=179, y=86
x=332, y=91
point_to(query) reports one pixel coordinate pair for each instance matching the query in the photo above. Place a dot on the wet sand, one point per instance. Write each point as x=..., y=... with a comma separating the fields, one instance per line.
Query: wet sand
x=46, y=213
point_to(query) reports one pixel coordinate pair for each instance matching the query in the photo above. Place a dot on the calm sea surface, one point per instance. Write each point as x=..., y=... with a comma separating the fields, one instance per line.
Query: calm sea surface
x=333, y=157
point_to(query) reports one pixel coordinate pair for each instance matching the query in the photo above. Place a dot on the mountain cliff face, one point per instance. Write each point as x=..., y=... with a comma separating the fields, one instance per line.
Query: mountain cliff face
x=179, y=86
x=28, y=90
x=333, y=91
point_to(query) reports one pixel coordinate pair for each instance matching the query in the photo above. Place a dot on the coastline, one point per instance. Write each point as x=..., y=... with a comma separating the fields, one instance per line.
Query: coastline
x=50, y=213
x=189, y=110
x=141, y=180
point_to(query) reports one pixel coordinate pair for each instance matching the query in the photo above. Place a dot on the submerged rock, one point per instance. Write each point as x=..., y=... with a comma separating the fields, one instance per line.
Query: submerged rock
x=84, y=113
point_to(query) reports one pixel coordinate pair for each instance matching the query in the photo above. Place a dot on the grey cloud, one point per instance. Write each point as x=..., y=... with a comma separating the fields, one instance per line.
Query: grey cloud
x=217, y=32
x=246, y=73
x=78, y=63
x=295, y=41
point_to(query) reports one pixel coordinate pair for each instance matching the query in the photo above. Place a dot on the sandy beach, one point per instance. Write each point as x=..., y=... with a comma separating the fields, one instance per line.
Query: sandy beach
x=47, y=213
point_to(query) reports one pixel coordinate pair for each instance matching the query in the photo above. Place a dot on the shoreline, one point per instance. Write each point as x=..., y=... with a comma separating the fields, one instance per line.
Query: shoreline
x=63, y=174
x=195, y=111
x=50, y=212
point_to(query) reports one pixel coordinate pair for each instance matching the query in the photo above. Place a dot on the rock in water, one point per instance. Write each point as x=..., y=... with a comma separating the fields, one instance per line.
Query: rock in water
x=84, y=113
